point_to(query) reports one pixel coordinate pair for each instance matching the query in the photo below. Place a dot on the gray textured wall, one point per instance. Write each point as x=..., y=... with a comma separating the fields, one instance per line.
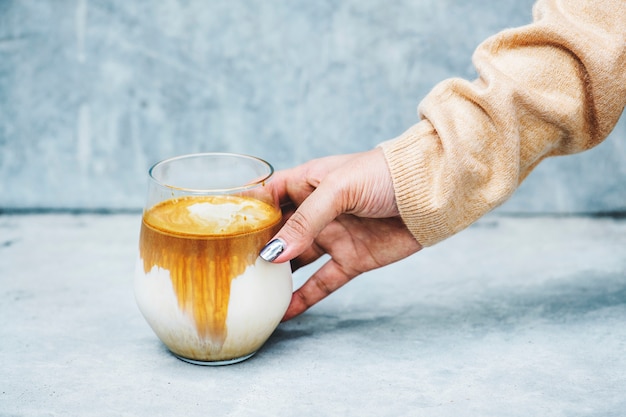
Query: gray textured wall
x=93, y=92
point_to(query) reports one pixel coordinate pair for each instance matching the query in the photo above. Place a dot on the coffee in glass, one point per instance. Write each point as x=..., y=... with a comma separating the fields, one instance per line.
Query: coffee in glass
x=199, y=281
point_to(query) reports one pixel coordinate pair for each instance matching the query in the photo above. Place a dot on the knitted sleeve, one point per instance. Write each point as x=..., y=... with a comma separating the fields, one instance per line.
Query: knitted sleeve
x=554, y=87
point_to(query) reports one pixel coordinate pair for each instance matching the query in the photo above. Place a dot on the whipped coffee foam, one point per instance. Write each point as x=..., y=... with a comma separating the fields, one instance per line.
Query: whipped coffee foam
x=225, y=216
x=212, y=215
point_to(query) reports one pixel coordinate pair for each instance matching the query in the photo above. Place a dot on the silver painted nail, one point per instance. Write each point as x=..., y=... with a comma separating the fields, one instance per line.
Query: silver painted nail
x=271, y=251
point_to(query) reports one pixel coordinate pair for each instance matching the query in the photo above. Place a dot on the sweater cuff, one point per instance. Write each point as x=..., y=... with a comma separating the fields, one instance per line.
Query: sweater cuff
x=408, y=159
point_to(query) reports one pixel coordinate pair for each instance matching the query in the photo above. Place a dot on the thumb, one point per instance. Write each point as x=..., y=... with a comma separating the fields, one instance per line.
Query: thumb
x=320, y=208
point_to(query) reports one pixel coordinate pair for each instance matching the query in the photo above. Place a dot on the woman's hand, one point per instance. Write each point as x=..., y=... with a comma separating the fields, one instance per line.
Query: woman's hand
x=343, y=206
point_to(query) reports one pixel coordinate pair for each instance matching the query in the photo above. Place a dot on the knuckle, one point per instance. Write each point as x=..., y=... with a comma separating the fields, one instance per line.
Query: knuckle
x=304, y=301
x=321, y=285
x=298, y=224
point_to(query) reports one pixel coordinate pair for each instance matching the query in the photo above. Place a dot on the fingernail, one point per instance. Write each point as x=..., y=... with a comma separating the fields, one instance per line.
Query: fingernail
x=271, y=251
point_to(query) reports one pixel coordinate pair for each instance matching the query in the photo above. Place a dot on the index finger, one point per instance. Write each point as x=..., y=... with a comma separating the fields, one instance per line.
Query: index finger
x=320, y=285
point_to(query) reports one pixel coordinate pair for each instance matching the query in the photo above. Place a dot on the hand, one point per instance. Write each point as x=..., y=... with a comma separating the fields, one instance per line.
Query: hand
x=343, y=206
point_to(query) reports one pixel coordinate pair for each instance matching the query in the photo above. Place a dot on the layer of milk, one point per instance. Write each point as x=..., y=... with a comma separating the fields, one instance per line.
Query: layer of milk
x=258, y=300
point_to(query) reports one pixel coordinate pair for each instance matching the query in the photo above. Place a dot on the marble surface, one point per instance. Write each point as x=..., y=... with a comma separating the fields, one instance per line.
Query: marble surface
x=92, y=92
x=512, y=317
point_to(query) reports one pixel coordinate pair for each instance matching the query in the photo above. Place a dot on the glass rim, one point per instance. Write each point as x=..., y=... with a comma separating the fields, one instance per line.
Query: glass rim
x=228, y=190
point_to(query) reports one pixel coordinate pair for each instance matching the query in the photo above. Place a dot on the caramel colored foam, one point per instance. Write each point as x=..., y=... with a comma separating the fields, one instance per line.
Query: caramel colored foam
x=204, y=243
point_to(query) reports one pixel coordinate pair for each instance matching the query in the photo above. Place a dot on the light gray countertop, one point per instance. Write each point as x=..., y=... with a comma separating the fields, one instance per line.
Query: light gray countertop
x=512, y=317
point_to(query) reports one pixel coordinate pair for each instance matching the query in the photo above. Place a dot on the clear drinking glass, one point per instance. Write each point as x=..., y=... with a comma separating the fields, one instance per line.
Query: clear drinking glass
x=199, y=280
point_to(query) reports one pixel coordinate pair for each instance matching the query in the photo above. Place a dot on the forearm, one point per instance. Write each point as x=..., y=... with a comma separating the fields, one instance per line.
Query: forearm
x=554, y=87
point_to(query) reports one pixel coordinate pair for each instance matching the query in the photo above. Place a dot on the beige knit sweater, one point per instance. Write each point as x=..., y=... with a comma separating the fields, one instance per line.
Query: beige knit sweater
x=554, y=87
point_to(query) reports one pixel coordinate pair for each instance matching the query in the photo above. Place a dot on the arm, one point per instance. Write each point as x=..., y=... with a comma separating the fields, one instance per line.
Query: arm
x=554, y=87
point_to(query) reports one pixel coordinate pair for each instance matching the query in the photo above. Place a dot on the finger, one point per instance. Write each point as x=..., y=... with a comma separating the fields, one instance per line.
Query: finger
x=320, y=285
x=280, y=186
x=295, y=184
x=321, y=207
x=310, y=254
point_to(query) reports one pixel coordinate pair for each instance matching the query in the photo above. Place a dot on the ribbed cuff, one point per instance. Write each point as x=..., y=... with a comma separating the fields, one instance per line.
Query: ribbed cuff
x=411, y=158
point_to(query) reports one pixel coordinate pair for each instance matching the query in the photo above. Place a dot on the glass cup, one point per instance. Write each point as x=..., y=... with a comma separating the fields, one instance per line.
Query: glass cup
x=199, y=280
